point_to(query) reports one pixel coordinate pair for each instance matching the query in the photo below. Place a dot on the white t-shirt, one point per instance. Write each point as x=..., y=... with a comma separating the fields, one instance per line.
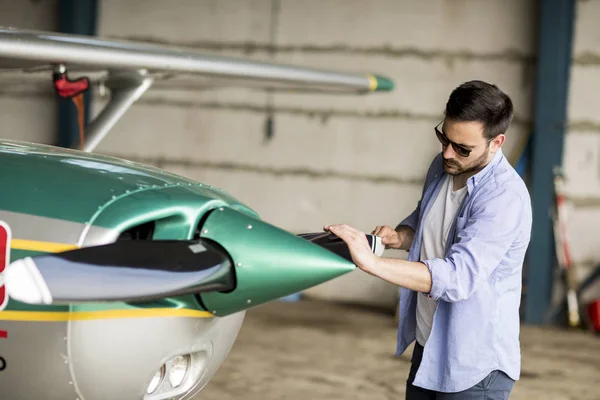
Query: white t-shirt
x=436, y=226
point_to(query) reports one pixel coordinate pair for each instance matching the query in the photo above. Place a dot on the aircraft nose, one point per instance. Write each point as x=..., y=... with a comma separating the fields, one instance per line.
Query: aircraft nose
x=269, y=262
x=238, y=262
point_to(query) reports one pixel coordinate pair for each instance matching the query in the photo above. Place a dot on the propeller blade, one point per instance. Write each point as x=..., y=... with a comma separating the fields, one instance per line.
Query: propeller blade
x=126, y=271
x=336, y=245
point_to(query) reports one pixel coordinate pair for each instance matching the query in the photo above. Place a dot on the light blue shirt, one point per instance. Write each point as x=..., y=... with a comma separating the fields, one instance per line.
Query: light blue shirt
x=478, y=284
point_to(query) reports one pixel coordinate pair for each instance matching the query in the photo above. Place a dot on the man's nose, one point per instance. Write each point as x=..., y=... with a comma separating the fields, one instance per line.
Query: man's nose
x=448, y=152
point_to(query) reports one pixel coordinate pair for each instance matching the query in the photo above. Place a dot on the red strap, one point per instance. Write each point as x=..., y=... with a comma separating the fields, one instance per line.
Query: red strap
x=78, y=100
x=73, y=89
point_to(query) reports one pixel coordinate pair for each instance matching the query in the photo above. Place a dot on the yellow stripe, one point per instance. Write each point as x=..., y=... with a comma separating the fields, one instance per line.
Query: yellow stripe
x=62, y=316
x=372, y=83
x=46, y=247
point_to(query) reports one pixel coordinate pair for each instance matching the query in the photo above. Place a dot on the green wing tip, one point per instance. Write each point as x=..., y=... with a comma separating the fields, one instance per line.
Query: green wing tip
x=383, y=84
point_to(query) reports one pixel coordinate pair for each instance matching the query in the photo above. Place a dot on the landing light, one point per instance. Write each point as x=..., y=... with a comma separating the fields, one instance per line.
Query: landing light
x=177, y=376
x=178, y=367
x=156, y=380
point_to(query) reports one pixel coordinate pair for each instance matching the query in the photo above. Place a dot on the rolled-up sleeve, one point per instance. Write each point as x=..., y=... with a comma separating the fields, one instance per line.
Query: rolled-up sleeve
x=496, y=221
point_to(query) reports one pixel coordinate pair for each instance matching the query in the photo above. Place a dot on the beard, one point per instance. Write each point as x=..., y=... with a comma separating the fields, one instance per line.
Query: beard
x=454, y=168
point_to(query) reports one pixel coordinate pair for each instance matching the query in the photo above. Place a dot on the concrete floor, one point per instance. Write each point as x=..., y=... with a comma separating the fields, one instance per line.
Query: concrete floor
x=316, y=350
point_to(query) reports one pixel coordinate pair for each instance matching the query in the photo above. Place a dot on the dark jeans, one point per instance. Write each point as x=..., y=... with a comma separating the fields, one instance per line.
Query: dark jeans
x=496, y=386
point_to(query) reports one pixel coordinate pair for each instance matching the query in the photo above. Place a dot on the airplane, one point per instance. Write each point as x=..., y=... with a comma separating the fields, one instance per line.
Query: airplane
x=120, y=280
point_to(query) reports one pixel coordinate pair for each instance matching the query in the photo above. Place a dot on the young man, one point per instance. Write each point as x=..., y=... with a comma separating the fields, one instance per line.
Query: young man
x=461, y=284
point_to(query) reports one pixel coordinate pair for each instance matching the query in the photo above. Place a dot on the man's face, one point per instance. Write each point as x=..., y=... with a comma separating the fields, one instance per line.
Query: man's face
x=467, y=138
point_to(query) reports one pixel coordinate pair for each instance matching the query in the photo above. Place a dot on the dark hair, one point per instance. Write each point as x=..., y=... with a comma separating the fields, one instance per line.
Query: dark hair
x=482, y=102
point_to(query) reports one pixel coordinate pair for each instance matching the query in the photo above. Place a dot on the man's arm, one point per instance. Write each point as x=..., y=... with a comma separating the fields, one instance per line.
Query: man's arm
x=493, y=226
x=408, y=274
x=483, y=241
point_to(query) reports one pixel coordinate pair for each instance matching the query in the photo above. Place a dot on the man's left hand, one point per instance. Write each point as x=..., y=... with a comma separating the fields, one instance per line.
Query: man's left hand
x=357, y=243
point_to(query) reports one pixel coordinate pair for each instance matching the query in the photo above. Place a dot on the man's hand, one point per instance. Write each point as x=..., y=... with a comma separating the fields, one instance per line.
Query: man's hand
x=389, y=237
x=408, y=274
x=400, y=239
x=357, y=243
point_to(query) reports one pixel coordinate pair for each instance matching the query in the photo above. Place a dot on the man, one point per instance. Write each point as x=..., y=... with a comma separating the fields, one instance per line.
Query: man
x=461, y=284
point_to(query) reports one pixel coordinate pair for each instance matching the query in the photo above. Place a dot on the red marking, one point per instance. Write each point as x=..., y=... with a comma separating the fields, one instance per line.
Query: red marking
x=67, y=88
x=3, y=334
x=73, y=89
x=5, y=237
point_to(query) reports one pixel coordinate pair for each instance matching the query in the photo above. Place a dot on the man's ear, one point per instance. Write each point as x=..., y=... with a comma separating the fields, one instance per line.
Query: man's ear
x=497, y=142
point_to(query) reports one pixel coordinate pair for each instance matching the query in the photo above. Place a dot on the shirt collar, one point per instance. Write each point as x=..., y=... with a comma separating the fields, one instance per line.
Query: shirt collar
x=478, y=177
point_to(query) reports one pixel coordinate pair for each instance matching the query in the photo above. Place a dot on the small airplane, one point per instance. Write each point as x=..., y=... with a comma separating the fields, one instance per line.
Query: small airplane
x=120, y=280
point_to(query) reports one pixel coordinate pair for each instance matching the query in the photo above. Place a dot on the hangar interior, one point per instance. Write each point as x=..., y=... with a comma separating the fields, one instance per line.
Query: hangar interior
x=305, y=160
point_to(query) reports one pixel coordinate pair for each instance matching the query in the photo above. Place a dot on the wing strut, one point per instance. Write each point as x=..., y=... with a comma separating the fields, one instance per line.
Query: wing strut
x=126, y=88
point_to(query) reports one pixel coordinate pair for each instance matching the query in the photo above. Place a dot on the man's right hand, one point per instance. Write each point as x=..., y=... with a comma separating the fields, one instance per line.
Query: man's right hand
x=392, y=239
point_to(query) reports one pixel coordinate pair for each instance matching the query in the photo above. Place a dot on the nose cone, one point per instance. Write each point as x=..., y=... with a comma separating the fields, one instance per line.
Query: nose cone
x=269, y=262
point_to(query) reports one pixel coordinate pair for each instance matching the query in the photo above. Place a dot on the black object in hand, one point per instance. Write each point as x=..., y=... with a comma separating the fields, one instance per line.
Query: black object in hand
x=333, y=243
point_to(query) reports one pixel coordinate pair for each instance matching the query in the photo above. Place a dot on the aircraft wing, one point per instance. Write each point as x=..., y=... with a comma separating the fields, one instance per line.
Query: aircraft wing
x=128, y=69
x=34, y=51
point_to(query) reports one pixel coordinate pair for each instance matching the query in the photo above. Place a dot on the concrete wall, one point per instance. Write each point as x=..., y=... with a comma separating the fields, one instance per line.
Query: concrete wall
x=357, y=160
x=27, y=114
x=582, y=144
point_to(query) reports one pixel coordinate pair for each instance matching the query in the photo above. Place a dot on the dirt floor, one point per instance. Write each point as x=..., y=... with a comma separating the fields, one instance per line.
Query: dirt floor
x=315, y=350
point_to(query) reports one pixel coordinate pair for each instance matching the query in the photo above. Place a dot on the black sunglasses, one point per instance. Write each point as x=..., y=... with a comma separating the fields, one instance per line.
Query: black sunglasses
x=459, y=149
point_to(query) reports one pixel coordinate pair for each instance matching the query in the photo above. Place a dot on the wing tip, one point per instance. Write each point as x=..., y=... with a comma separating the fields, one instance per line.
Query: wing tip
x=378, y=83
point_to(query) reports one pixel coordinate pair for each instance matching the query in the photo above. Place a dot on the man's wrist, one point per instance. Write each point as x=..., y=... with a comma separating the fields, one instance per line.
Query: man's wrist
x=374, y=265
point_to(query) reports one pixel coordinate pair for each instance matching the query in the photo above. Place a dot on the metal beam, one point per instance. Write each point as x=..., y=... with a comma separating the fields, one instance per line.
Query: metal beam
x=555, y=33
x=126, y=88
x=74, y=17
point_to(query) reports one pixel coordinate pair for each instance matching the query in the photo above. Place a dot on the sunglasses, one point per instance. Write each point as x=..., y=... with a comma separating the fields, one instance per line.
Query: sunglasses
x=458, y=148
